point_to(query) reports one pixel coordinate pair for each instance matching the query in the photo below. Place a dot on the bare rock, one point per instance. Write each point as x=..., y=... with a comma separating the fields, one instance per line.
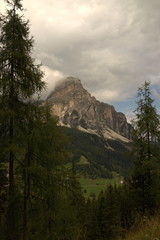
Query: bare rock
x=76, y=108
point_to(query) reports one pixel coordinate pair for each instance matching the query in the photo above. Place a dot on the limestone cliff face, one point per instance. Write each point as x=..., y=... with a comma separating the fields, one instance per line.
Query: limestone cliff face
x=76, y=108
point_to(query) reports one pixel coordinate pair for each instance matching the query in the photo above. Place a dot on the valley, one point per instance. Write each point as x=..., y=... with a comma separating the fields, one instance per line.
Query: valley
x=99, y=138
x=92, y=187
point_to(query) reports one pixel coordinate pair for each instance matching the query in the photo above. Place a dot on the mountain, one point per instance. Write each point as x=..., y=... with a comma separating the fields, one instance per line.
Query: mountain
x=99, y=136
x=76, y=108
x=96, y=157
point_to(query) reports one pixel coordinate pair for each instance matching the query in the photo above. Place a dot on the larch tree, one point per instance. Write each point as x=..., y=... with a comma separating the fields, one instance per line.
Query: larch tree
x=146, y=149
x=146, y=124
x=20, y=78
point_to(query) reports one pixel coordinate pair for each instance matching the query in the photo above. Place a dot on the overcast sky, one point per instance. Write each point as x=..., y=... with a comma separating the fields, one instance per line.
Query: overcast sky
x=112, y=46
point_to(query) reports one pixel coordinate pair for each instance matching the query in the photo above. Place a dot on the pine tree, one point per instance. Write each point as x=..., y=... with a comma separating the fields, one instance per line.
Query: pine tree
x=109, y=213
x=77, y=202
x=20, y=78
x=93, y=230
x=3, y=195
x=146, y=124
x=146, y=150
x=43, y=174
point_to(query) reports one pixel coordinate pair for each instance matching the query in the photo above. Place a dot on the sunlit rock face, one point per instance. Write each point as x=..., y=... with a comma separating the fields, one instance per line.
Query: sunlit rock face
x=76, y=108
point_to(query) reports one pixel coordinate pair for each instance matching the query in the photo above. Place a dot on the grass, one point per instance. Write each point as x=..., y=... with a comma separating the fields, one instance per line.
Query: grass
x=91, y=187
x=83, y=161
x=148, y=229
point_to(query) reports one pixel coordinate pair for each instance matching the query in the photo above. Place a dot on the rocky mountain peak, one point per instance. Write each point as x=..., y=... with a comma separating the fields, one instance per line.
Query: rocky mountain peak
x=68, y=83
x=71, y=89
x=76, y=108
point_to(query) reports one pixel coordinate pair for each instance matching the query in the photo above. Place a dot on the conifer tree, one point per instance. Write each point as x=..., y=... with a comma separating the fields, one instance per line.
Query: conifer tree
x=20, y=78
x=43, y=175
x=109, y=213
x=93, y=231
x=146, y=148
x=146, y=124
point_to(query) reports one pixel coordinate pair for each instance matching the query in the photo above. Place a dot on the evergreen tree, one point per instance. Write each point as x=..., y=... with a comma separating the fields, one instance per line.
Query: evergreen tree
x=146, y=125
x=20, y=78
x=3, y=195
x=43, y=176
x=146, y=150
x=109, y=213
x=93, y=231
x=77, y=201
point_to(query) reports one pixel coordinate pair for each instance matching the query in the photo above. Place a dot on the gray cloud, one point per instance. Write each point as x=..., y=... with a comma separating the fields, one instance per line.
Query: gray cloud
x=112, y=46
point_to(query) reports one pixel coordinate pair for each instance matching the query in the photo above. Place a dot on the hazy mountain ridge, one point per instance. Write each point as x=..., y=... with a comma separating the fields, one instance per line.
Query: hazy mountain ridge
x=76, y=108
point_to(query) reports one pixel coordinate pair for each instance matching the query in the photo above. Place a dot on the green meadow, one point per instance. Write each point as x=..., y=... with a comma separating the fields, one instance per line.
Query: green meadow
x=92, y=187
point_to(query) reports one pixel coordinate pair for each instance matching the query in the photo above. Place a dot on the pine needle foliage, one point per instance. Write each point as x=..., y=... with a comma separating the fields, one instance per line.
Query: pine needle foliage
x=146, y=152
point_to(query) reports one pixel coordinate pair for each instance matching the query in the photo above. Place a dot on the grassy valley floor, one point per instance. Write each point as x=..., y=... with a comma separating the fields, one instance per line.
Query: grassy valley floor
x=92, y=187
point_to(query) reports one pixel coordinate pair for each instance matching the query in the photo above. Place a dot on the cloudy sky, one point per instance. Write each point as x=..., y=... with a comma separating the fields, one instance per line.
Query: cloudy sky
x=113, y=46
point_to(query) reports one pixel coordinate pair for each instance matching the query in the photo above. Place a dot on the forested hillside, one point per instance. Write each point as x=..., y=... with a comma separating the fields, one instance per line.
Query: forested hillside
x=40, y=198
x=101, y=157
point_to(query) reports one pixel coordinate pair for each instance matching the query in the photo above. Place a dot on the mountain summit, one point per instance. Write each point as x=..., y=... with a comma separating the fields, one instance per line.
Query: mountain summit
x=76, y=108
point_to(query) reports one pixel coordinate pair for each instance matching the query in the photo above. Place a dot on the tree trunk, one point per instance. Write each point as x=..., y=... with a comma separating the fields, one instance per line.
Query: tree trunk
x=11, y=187
x=26, y=192
x=148, y=142
x=11, y=228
